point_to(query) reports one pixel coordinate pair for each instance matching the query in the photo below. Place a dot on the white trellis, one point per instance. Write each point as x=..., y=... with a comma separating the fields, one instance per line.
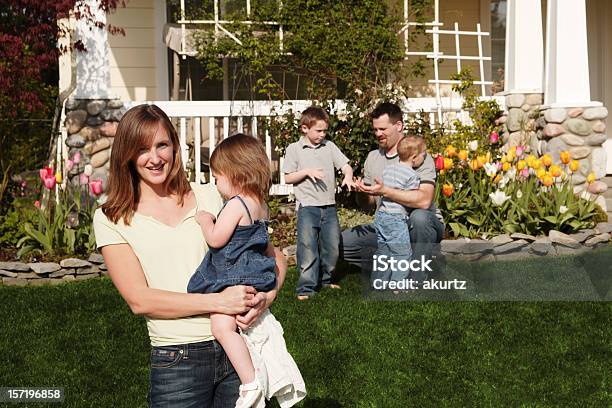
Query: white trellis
x=436, y=55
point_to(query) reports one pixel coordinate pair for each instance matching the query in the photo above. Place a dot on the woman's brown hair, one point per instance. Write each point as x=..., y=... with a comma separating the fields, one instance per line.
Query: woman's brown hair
x=242, y=159
x=135, y=131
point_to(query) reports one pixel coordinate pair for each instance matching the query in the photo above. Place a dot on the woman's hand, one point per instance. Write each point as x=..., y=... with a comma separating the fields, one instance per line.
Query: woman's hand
x=236, y=300
x=264, y=300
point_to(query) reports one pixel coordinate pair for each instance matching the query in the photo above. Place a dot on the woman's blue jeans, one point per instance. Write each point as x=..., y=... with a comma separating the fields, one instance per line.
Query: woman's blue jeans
x=192, y=375
x=318, y=243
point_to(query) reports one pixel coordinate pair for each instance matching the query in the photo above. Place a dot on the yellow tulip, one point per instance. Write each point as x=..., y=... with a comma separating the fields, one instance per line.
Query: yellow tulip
x=481, y=161
x=565, y=157
x=591, y=178
x=448, y=163
x=512, y=151
x=488, y=157
x=547, y=180
x=521, y=165
x=510, y=157
x=504, y=159
x=574, y=165
x=450, y=151
x=530, y=159
x=536, y=164
x=497, y=179
x=547, y=160
x=506, y=166
x=555, y=171
x=474, y=164
x=58, y=177
x=448, y=189
x=540, y=172
x=463, y=155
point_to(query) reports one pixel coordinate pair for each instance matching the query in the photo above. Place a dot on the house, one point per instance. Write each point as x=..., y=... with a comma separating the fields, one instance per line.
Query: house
x=552, y=53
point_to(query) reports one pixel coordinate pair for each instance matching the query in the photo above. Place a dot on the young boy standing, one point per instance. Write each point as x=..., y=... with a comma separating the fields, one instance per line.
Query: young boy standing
x=310, y=165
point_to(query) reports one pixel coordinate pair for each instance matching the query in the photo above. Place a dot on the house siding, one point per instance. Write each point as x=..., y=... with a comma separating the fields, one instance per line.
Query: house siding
x=133, y=69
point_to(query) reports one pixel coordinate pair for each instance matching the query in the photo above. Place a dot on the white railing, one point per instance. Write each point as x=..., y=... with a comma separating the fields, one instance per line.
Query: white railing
x=198, y=121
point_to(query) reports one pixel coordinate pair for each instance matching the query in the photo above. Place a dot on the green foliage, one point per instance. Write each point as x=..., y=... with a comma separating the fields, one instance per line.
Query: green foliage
x=64, y=227
x=12, y=223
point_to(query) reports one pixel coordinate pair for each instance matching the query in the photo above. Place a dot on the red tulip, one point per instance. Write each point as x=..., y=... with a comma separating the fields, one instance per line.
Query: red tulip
x=50, y=182
x=96, y=187
x=439, y=162
x=46, y=172
x=37, y=204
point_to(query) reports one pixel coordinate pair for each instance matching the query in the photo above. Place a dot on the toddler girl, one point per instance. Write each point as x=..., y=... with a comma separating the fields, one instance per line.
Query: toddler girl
x=241, y=254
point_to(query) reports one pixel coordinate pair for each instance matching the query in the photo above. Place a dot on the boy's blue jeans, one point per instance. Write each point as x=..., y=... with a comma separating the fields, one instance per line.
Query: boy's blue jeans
x=318, y=243
x=393, y=240
x=192, y=375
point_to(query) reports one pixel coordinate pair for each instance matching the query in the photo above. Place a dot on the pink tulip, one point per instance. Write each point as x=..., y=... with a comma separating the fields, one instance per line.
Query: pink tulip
x=76, y=158
x=83, y=179
x=96, y=187
x=519, y=150
x=69, y=164
x=46, y=172
x=50, y=182
x=494, y=138
x=525, y=172
x=37, y=204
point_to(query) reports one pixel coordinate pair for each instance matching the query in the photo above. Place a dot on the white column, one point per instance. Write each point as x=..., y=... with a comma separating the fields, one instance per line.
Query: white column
x=93, y=75
x=567, y=59
x=524, y=63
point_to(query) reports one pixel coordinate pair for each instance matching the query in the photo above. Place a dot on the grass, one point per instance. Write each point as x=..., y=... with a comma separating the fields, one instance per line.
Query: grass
x=352, y=352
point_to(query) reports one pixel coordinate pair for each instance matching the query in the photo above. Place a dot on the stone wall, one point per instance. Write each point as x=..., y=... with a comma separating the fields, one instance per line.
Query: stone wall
x=91, y=126
x=40, y=273
x=581, y=131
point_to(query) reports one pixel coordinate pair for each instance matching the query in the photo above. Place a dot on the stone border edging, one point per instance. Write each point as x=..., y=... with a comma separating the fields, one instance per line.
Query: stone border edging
x=40, y=273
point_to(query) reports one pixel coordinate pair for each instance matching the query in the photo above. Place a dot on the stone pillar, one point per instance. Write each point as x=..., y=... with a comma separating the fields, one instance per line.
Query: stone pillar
x=91, y=126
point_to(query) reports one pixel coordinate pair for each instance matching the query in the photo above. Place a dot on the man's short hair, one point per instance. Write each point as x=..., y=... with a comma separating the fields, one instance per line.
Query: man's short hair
x=311, y=115
x=409, y=146
x=387, y=108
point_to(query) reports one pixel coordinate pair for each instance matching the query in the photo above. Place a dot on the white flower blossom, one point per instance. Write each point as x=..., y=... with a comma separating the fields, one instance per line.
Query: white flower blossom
x=490, y=169
x=563, y=209
x=358, y=92
x=499, y=198
x=504, y=181
x=473, y=145
x=511, y=173
x=88, y=170
x=519, y=194
x=270, y=230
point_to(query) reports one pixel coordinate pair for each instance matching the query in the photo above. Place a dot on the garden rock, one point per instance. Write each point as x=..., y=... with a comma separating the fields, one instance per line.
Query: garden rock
x=595, y=113
x=14, y=266
x=510, y=247
x=96, y=258
x=94, y=121
x=98, y=159
x=560, y=238
x=69, y=278
x=525, y=107
x=100, y=144
x=74, y=263
x=597, y=239
x=75, y=140
x=115, y=103
x=583, y=235
x=87, y=276
x=8, y=274
x=596, y=139
x=290, y=250
x=518, y=235
x=108, y=129
x=597, y=187
x=40, y=282
x=27, y=275
x=501, y=239
x=95, y=107
x=580, y=152
x=72, y=104
x=599, y=127
x=87, y=270
x=75, y=121
x=515, y=120
x=118, y=114
x=542, y=246
x=553, y=129
x=44, y=267
x=534, y=99
x=107, y=114
x=557, y=115
x=574, y=113
x=603, y=227
x=572, y=140
x=515, y=100
x=579, y=126
x=61, y=272
x=90, y=134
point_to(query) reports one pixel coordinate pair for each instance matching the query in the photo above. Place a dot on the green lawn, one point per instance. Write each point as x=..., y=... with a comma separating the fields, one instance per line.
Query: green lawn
x=352, y=352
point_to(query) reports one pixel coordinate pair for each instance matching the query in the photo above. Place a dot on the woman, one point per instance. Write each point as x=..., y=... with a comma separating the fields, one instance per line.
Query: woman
x=151, y=245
